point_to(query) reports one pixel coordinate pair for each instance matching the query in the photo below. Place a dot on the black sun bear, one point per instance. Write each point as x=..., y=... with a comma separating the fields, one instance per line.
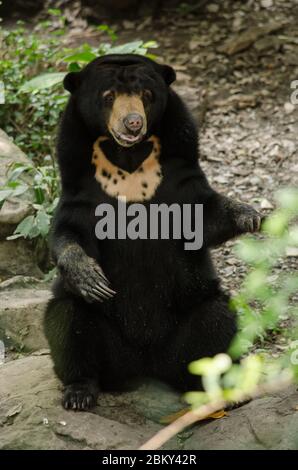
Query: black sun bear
x=126, y=308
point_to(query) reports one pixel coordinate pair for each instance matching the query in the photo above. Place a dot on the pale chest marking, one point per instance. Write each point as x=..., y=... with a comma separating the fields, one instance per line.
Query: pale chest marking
x=140, y=185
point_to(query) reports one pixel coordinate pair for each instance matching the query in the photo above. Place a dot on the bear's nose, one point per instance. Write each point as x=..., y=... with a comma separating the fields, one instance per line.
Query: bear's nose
x=133, y=122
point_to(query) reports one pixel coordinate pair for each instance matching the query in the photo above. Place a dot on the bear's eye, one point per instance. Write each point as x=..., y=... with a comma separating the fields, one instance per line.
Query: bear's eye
x=147, y=94
x=108, y=96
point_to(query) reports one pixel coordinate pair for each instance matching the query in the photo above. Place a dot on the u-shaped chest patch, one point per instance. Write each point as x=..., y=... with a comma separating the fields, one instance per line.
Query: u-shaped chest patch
x=140, y=185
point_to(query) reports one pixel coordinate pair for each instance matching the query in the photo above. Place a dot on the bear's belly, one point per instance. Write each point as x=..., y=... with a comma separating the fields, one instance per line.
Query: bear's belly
x=156, y=284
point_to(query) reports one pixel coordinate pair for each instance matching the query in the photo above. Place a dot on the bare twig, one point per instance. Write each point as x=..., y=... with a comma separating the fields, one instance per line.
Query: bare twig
x=204, y=411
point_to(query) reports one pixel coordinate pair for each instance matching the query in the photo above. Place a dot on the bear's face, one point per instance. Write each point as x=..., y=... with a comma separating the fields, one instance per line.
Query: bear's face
x=121, y=96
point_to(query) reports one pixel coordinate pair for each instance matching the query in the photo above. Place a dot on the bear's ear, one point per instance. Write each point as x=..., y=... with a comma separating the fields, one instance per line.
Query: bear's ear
x=168, y=74
x=72, y=81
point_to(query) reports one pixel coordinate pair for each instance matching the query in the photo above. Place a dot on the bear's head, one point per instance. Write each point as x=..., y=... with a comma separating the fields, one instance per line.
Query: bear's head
x=122, y=96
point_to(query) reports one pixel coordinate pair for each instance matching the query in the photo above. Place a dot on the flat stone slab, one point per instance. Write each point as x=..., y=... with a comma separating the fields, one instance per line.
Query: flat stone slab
x=21, y=316
x=31, y=416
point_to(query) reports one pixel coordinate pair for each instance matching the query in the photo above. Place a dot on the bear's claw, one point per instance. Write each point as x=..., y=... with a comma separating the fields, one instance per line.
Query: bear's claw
x=83, y=276
x=248, y=220
x=79, y=397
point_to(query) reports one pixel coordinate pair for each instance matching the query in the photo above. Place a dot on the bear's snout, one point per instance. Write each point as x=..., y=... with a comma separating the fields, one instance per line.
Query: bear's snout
x=133, y=122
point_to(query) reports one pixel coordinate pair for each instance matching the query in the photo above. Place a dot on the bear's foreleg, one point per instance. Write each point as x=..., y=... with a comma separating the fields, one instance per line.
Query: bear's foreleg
x=225, y=219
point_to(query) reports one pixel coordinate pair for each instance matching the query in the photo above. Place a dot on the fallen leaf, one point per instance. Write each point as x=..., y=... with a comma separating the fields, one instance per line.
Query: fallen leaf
x=171, y=418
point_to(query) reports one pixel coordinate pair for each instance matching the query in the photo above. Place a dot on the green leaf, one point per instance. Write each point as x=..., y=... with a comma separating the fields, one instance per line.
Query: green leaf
x=74, y=67
x=39, y=195
x=127, y=48
x=150, y=45
x=288, y=199
x=276, y=224
x=85, y=56
x=12, y=192
x=42, y=221
x=23, y=229
x=17, y=171
x=196, y=398
x=210, y=366
x=46, y=80
x=5, y=193
x=54, y=11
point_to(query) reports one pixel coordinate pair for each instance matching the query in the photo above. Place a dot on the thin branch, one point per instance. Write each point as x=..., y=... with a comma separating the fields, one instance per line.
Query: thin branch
x=165, y=434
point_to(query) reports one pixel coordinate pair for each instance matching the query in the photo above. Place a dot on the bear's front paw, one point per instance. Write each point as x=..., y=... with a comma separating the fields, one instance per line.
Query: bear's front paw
x=247, y=219
x=91, y=282
x=79, y=397
x=83, y=276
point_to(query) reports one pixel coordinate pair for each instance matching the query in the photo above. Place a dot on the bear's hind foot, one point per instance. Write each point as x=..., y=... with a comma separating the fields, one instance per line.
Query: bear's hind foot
x=81, y=396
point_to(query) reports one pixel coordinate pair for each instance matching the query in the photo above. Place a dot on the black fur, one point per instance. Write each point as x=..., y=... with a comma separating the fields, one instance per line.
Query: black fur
x=168, y=308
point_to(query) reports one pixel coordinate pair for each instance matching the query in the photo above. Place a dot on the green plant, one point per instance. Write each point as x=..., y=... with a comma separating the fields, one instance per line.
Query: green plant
x=40, y=186
x=281, y=234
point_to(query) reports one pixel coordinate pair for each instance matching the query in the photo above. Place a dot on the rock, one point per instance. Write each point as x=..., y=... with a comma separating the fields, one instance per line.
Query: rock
x=292, y=251
x=270, y=422
x=239, y=101
x=31, y=416
x=12, y=212
x=212, y=8
x=289, y=108
x=18, y=281
x=265, y=204
x=247, y=38
x=266, y=3
x=17, y=257
x=21, y=314
x=129, y=24
x=9, y=153
x=267, y=43
x=189, y=95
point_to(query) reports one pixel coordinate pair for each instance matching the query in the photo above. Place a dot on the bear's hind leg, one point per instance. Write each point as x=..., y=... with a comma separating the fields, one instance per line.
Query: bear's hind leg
x=207, y=330
x=70, y=327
